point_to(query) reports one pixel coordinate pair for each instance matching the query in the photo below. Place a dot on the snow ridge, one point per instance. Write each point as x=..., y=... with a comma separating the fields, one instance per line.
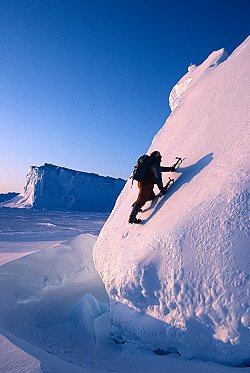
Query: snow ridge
x=195, y=72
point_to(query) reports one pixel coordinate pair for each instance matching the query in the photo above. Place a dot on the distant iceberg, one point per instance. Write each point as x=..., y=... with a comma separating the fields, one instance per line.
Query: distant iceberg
x=58, y=188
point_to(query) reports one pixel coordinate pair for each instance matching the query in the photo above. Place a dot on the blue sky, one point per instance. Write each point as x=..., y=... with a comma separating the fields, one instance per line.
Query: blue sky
x=85, y=84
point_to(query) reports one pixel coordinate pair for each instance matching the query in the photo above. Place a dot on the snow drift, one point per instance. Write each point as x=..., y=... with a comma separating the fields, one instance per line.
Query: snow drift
x=59, y=188
x=49, y=307
x=181, y=280
x=54, y=318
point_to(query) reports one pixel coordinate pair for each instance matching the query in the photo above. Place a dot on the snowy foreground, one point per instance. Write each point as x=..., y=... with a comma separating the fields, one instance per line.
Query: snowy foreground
x=24, y=231
x=54, y=314
x=181, y=280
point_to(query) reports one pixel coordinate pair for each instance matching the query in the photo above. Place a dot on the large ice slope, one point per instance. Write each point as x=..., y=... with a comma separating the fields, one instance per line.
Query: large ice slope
x=55, y=188
x=54, y=318
x=181, y=280
x=193, y=75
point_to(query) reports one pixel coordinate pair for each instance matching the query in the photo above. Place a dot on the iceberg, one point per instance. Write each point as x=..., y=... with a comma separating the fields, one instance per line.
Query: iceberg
x=58, y=188
x=181, y=280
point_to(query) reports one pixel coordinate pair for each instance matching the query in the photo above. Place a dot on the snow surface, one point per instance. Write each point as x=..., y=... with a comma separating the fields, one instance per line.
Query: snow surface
x=181, y=280
x=14, y=359
x=54, y=316
x=48, y=301
x=194, y=74
x=23, y=231
x=59, y=188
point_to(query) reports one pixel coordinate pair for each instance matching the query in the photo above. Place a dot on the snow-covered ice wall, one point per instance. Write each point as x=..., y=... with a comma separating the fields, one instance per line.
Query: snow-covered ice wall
x=52, y=187
x=181, y=280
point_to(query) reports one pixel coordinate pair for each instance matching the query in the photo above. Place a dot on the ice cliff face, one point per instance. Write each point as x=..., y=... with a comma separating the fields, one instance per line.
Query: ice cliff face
x=52, y=187
x=181, y=280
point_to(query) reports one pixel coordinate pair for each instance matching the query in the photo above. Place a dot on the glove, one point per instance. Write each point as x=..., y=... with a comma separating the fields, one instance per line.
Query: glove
x=173, y=169
x=163, y=191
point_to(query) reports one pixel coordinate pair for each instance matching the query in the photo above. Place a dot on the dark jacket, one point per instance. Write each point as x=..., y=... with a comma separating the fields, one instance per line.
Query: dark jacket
x=154, y=174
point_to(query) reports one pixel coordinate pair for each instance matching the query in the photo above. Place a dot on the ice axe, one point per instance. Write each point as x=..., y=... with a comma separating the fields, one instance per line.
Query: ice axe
x=170, y=182
x=178, y=162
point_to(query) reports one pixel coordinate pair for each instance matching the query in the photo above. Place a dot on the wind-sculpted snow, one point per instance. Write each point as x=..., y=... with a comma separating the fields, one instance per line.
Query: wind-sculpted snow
x=49, y=305
x=181, y=280
x=58, y=188
x=195, y=72
x=54, y=318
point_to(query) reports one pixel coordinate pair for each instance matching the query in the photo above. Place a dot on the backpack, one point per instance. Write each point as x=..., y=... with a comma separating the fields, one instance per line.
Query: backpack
x=141, y=168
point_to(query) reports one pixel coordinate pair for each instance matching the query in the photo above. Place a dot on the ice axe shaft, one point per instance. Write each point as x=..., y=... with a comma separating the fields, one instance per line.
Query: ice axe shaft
x=170, y=181
x=178, y=162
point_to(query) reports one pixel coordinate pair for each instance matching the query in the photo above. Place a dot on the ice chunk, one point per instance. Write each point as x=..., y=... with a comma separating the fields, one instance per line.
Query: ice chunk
x=195, y=73
x=86, y=311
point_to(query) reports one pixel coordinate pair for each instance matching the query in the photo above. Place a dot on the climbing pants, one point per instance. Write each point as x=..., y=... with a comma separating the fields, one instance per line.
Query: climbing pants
x=146, y=193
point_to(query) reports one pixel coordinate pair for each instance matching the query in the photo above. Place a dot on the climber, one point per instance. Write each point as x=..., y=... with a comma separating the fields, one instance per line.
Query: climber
x=146, y=185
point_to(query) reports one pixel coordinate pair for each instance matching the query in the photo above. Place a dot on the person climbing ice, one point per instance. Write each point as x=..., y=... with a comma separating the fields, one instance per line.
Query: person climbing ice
x=147, y=173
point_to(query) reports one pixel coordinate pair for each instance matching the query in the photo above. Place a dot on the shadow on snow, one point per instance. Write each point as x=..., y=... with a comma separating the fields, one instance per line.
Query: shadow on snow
x=187, y=174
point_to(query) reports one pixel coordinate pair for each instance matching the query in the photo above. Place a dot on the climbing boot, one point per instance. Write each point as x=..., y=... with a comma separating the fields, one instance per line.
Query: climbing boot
x=140, y=210
x=134, y=212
